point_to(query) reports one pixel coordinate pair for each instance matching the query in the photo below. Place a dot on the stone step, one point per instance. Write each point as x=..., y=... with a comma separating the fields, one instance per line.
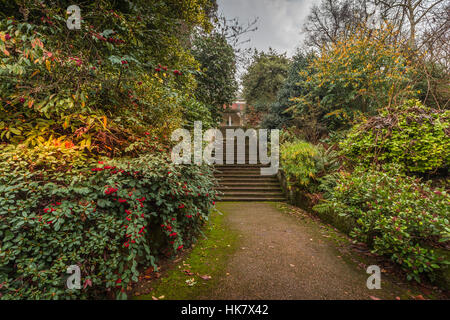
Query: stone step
x=246, y=162
x=252, y=171
x=242, y=176
x=249, y=194
x=227, y=189
x=249, y=184
x=240, y=166
x=236, y=157
x=243, y=181
x=250, y=199
x=239, y=174
x=241, y=171
x=260, y=180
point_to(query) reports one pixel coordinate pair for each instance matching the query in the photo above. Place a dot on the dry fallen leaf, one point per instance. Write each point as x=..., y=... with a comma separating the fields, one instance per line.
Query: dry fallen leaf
x=206, y=277
x=374, y=298
x=188, y=272
x=191, y=282
x=87, y=282
x=154, y=298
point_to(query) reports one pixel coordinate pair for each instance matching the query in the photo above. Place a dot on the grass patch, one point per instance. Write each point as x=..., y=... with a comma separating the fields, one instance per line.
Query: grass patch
x=208, y=258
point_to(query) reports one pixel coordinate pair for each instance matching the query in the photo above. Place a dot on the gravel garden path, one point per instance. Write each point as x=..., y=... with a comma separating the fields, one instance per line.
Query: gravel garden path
x=292, y=256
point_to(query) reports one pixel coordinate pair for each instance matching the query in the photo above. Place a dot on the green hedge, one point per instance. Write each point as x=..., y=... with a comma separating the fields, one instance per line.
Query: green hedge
x=111, y=219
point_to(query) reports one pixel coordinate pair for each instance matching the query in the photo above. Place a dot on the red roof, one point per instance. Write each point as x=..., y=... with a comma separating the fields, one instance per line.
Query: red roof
x=236, y=106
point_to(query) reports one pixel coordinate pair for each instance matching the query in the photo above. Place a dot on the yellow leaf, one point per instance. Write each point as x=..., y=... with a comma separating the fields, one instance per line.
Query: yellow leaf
x=48, y=65
x=104, y=121
x=34, y=73
x=66, y=122
x=30, y=103
x=88, y=142
x=6, y=52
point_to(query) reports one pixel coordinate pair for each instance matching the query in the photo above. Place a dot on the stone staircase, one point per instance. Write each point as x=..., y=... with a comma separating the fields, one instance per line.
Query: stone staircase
x=244, y=182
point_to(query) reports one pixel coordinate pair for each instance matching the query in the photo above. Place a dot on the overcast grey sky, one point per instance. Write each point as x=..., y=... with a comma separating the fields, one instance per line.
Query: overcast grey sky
x=279, y=24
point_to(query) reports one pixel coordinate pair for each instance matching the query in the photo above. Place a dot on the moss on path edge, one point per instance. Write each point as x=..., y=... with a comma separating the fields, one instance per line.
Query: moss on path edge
x=208, y=258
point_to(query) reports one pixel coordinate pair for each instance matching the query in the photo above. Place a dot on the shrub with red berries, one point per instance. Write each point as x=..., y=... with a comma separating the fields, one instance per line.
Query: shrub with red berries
x=97, y=97
x=113, y=220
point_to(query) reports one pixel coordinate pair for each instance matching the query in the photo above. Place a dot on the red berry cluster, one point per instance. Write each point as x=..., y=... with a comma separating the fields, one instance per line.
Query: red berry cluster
x=47, y=20
x=129, y=213
x=112, y=168
x=116, y=41
x=110, y=190
x=104, y=39
x=164, y=68
x=129, y=216
x=49, y=210
x=141, y=231
x=77, y=61
x=168, y=227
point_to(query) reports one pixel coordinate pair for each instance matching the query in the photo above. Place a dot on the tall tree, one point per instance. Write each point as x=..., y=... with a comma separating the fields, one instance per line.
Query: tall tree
x=264, y=77
x=416, y=13
x=236, y=35
x=292, y=87
x=332, y=20
x=217, y=83
x=355, y=76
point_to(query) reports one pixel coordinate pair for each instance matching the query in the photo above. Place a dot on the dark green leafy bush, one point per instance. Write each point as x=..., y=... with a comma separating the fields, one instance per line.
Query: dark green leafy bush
x=412, y=135
x=100, y=87
x=397, y=215
x=111, y=219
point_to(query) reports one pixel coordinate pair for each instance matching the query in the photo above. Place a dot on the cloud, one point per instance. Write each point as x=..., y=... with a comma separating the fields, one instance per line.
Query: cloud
x=279, y=25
